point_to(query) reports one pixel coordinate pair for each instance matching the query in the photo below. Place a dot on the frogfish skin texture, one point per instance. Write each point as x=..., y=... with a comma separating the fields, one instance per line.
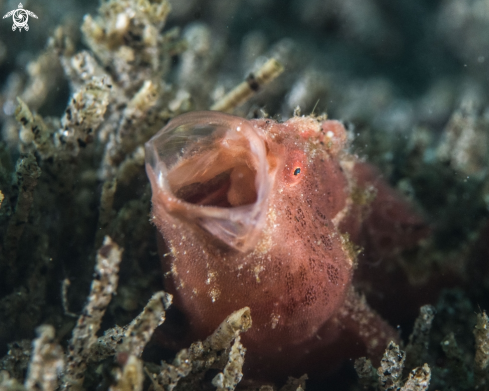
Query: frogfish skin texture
x=259, y=213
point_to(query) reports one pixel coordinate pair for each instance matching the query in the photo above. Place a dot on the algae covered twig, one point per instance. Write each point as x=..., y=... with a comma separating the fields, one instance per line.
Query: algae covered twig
x=417, y=348
x=137, y=335
x=418, y=380
x=203, y=355
x=232, y=374
x=230, y=329
x=391, y=366
x=85, y=332
x=388, y=376
x=46, y=363
x=244, y=91
x=34, y=130
x=141, y=329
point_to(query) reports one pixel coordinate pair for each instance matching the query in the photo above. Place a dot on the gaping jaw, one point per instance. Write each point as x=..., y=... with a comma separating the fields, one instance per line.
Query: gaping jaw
x=211, y=169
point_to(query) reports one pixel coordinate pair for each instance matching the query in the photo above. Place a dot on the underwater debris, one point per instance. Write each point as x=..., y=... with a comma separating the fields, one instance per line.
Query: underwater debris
x=170, y=374
x=130, y=377
x=391, y=366
x=84, y=115
x=140, y=330
x=135, y=337
x=235, y=324
x=204, y=355
x=388, y=376
x=45, y=364
x=132, y=338
x=16, y=362
x=127, y=135
x=418, y=380
x=232, y=374
x=125, y=37
x=65, y=285
x=394, y=362
x=254, y=82
x=34, y=130
x=47, y=361
x=417, y=348
x=132, y=58
x=85, y=332
x=9, y=384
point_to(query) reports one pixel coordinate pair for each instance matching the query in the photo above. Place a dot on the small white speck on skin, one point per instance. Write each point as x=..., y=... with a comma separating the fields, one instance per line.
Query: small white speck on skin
x=257, y=270
x=214, y=294
x=329, y=134
x=238, y=129
x=275, y=320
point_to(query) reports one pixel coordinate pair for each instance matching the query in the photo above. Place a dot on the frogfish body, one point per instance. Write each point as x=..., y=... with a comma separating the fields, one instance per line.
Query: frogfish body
x=257, y=213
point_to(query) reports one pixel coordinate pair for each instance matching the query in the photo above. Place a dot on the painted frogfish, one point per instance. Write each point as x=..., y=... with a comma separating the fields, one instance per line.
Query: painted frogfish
x=270, y=215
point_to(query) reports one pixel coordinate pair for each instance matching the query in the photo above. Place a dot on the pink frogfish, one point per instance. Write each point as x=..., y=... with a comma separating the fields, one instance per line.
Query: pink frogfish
x=267, y=215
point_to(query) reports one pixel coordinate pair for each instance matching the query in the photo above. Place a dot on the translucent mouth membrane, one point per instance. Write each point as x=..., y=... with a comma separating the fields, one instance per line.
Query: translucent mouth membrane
x=211, y=169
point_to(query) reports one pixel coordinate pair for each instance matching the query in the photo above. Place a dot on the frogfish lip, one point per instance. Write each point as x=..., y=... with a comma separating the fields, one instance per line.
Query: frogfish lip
x=211, y=170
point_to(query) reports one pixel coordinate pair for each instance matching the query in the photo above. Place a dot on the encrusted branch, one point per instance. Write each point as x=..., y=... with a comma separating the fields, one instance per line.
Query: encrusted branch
x=244, y=91
x=85, y=332
x=46, y=362
x=203, y=355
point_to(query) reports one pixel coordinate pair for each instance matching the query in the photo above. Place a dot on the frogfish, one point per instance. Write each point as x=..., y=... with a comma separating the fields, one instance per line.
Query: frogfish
x=270, y=215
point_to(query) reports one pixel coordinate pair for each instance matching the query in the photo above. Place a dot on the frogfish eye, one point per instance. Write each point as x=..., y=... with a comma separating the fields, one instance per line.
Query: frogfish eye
x=294, y=169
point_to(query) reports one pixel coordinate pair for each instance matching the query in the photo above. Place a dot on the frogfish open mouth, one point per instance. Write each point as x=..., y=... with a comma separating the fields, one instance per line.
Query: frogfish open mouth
x=263, y=214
